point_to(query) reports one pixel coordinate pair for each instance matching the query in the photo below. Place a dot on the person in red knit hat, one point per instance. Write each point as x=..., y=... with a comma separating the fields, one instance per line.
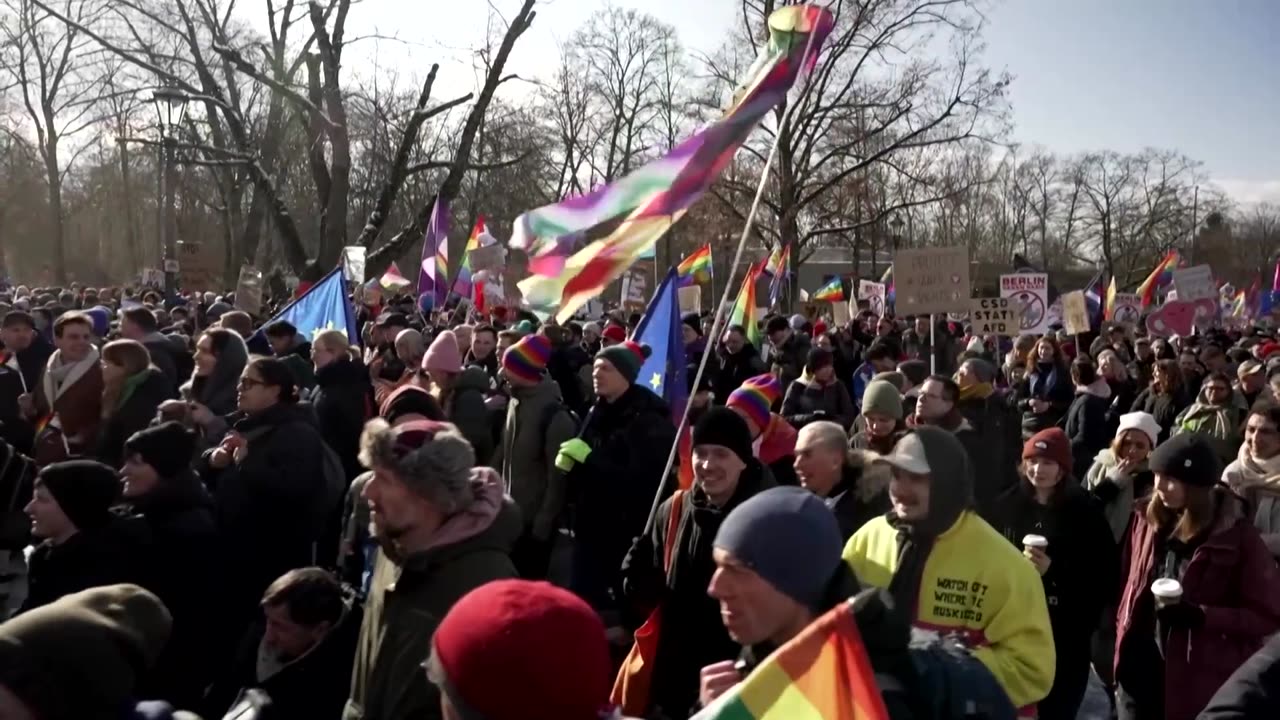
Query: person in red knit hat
x=521, y=650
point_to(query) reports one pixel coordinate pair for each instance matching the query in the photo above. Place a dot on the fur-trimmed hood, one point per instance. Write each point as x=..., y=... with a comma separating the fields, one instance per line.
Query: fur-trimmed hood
x=873, y=477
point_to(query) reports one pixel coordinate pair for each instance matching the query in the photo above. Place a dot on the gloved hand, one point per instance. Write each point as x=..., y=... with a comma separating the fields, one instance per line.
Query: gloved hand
x=1180, y=615
x=1106, y=491
x=572, y=452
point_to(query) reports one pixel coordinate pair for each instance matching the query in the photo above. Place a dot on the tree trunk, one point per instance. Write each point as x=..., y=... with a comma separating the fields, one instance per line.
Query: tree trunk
x=56, y=223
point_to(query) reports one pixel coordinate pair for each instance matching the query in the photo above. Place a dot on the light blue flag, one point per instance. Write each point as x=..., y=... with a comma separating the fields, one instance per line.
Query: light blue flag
x=324, y=307
x=660, y=328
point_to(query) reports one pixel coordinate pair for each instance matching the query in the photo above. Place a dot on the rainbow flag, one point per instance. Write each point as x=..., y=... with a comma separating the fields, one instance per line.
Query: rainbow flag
x=622, y=221
x=1239, y=305
x=442, y=270
x=480, y=237
x=392, y=279
x=821, y=674
x=1109, y=305
x=781, y=261
x=744, y=307
x=696, y=268
x=431, y=280
x=1162, y=275
x=832, y=292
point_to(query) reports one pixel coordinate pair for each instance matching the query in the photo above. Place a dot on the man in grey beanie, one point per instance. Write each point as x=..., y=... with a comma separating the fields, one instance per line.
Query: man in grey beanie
x=444, y=529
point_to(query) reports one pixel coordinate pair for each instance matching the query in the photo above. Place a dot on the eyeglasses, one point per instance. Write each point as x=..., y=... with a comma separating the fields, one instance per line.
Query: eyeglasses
x=248, y=382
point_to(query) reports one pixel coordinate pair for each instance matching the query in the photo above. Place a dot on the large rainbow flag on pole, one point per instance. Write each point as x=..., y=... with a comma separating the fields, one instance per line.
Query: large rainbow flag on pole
x=1162, y=275
x=821, y=674
x=621, y=221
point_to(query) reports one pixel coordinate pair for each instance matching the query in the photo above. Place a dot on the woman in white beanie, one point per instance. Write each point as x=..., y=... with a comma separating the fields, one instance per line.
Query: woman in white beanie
x=1119, y=473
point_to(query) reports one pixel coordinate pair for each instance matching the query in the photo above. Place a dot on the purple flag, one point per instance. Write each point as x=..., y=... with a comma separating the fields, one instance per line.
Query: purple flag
x=437, y=233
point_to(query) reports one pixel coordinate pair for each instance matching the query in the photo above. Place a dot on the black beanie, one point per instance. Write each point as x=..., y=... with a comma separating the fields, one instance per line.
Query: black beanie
x=84, y=489
x=168, y=448
x=627, y=358
x=693, y=321
x=1188, y=458
x=726, y=428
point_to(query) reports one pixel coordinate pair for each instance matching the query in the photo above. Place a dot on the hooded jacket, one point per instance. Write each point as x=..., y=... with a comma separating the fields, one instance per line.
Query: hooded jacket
x=343, y=400
x=217, y=391
x=693, y=635
x=81, y=657
x=1230, y=576
x=409, y=597
x=862, y=494
x=536, y=425
x=973, y=584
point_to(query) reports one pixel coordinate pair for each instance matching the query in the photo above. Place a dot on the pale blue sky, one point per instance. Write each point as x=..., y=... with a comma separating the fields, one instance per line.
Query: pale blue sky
x=1200, y=76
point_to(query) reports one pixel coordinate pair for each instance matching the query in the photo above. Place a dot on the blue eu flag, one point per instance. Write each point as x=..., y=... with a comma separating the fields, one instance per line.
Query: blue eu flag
x=324, y=307
x=660, y=329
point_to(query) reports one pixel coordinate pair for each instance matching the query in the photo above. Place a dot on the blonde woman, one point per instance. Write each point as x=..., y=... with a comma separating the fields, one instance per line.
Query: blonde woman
x=132, y=391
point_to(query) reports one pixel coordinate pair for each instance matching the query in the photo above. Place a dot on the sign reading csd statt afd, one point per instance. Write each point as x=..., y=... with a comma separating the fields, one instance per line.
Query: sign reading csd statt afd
x=992, y=316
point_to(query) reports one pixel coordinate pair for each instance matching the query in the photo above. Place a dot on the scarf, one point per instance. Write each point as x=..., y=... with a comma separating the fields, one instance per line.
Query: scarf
x=978, y=391
x=1258, y=472
x=1099, y=388
x=130, y=385
x=58, y=376
x=914, y=548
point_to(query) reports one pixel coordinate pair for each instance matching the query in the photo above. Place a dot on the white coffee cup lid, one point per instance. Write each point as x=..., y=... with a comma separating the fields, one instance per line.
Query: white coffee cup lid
x=1166, y=587
x=1035, y=541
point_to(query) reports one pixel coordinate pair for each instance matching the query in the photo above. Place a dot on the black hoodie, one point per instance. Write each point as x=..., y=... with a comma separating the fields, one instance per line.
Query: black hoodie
x=343, y=400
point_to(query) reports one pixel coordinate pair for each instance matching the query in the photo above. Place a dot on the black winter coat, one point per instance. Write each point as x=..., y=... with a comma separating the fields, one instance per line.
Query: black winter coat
x=343, y=400
x=178, y=514
x=1123, y=393
x=998, y=427
x=315, y=685
x=1087, y=429
x=103, y=555
x=1053, y=384
x=266, y=506
x=161, y=351
x=808, y=401
x=1252, y=691
x=612, y=492
x=137, y=412
x=693, y=635
x=14, y=429
x=733, y=369
x=791, y=356
x=862, y=493
x=1164, y=407
x=17, y=481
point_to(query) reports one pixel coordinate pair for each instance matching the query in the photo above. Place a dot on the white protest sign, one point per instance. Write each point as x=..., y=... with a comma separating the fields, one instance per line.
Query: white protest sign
x=1028, y=296
x=931, y=280
x=1126, y=309
x=249, y=290
x=634, y=286
x=874, y=294
x=152, y=277
x=1075, y=312
x=690, y=298
x=992, y=316
x=840, y=314
x=1194, y=283
x=353, y=257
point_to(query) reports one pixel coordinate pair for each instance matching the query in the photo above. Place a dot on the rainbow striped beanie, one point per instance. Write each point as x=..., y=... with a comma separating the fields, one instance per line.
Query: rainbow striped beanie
x=527, y=359
x=755, y=399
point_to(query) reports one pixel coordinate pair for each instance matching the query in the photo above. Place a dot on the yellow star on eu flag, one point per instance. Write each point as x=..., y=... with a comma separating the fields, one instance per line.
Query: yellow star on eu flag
x=656, y=382
x=328, y=326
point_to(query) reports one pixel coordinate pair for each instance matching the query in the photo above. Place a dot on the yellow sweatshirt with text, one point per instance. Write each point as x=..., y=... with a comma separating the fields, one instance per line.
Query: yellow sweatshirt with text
x=978, y=587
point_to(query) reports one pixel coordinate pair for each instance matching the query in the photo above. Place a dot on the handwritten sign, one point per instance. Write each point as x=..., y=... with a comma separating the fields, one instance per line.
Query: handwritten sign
x=200, y=266
x=1028, y=295
x=690, y=298
x=249, y=290
x=874, y=294
x=1194, y=283
x=931, y=280
x=992, y=316
x=634, y=295
x=353, y=257
x=1075, y=312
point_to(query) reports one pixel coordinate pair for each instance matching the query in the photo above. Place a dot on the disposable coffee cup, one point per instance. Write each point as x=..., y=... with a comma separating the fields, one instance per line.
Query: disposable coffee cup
x=1035, y=541
x=1167, y=591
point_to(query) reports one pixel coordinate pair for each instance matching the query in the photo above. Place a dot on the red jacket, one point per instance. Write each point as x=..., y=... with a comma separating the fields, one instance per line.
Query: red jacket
x=1233, y=578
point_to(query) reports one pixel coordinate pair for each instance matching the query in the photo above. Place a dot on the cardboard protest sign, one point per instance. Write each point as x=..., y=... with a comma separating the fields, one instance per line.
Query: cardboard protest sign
x=1028, y=295
x=690, y=298
x=874, y=294
x=931, y=280
x=488, y=257
x=1075, y=312
x=634, y=294
x=249, y=290
x=199, y=266
x=1194, y=283
x=840, y=314
x=992, y=316
x=1127, y=309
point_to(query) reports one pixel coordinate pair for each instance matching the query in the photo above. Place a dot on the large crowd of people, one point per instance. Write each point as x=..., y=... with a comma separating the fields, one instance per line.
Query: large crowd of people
x=467, y=517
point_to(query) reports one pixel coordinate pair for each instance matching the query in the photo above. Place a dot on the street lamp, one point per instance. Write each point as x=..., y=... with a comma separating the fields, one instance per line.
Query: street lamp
x=895, y=227
x=171, y=108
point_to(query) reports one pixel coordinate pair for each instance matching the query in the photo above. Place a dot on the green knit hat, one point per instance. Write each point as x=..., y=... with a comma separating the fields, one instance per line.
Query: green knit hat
x=882, y=398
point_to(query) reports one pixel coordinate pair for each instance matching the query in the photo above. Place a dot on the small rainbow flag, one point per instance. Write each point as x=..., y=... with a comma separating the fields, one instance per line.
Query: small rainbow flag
x=1162, y=275
x=832, y=292
x=696, y=268
x=821, y=674
x=781, y=262
x=744, y=307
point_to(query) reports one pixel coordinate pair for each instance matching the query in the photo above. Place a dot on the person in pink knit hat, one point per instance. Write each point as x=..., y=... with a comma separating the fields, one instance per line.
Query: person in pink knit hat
x=461, y=392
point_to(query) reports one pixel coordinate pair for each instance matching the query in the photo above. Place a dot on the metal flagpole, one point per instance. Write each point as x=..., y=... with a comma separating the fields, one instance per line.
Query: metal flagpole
x=933, y=345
